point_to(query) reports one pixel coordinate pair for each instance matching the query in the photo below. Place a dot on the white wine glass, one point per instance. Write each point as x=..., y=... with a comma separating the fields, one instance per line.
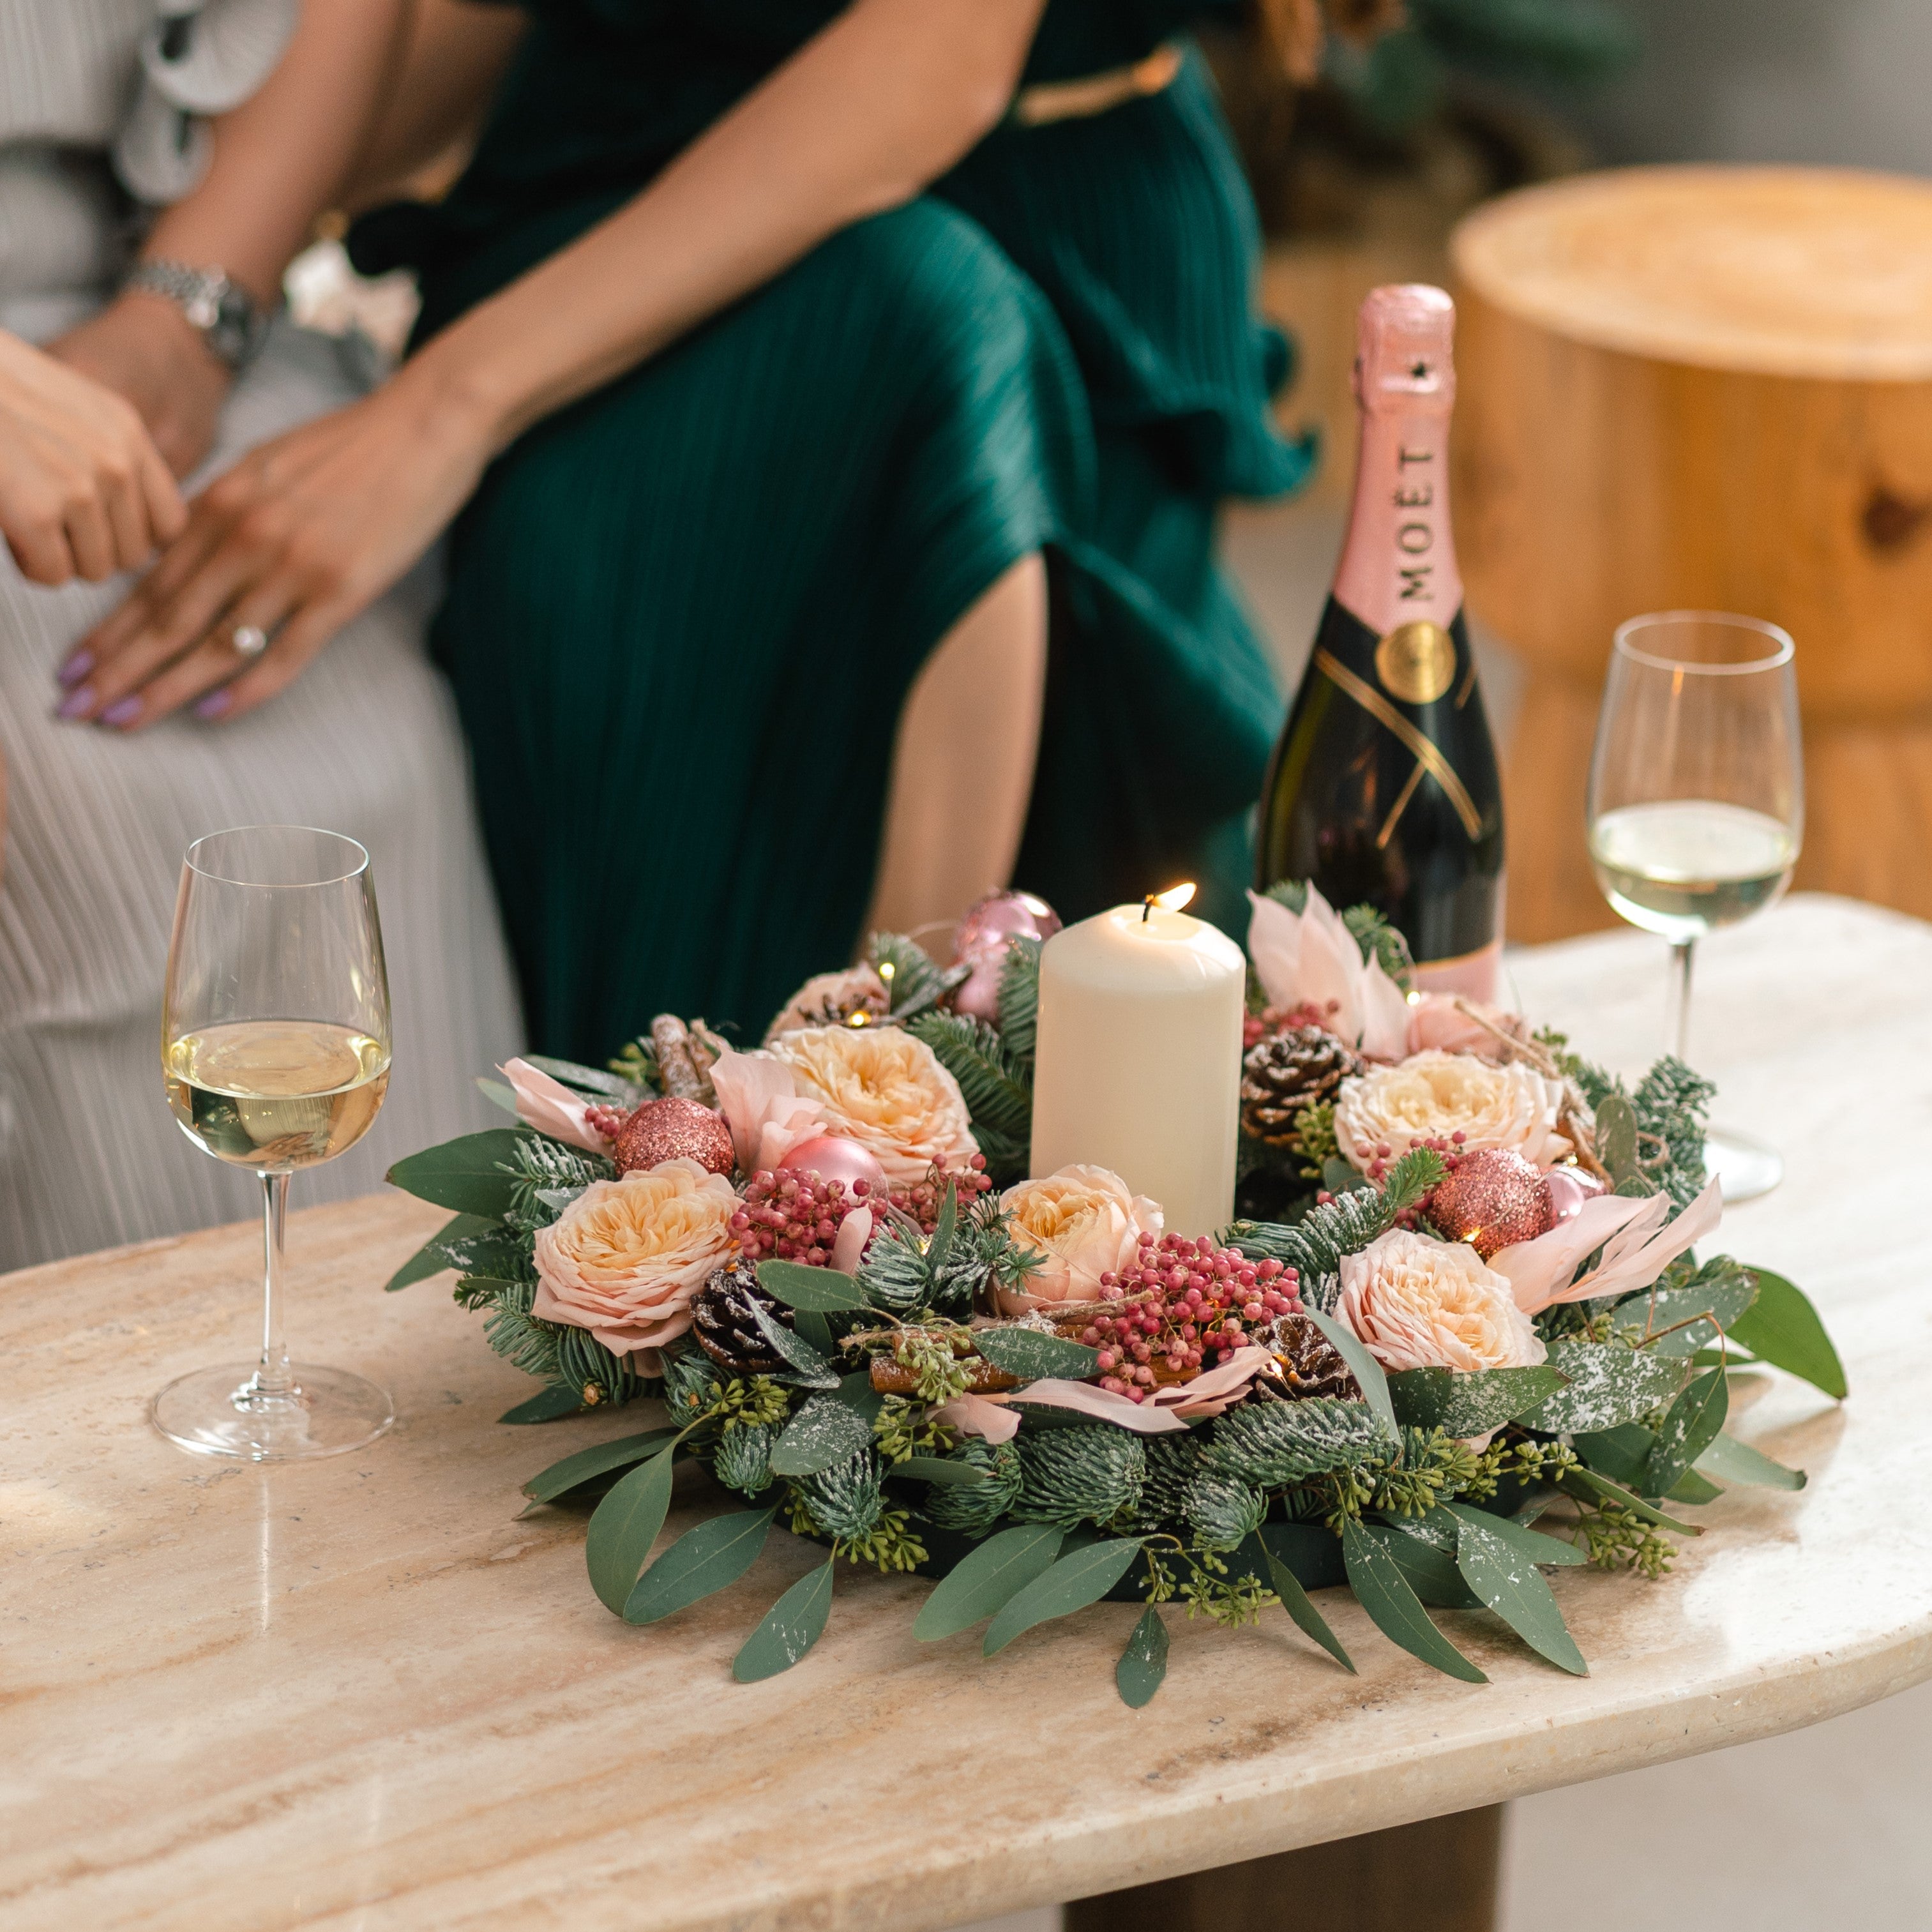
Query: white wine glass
x=275, y=1050
x=1696, y=803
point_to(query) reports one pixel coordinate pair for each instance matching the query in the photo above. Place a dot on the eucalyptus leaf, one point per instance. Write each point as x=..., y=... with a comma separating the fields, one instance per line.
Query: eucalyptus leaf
x=814, y=1330
x=1731, y=1461
x=1429, y=1570
x=1621, y=1454
x=1144, y=1663
x=1688, y=1428
x=1509, y=1582
x=1608, y=1385
x=856, y=1392
x=1032, y=1355
x=1616, y=1139
x=1782, y=1328
x=1722, y=1291
x=805, y=1365
x=549, y=1405
x=1083, y=1577
x=588, y=1465
x=1309, y=1621
x=586, y=1079
x=704, y=1559
x=823, y=1290
x=623, y=1527
x=942, y=1470
x=463, y=1175
x=1693, y=1489
x=498, y=1094
x=1363, y=1366
x=825, y=1431
x=1383, y=1592
x=1532, y=1543
x=791, y=1626
x=433, y=1257
x=1464, y=1405
x=1595, y=1489
x=985, y=1579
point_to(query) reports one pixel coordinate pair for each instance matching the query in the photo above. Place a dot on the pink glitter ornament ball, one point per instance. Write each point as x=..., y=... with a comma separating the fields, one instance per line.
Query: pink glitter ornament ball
x=1569, y=1188
x=1492, y=1199
x=831, y=1158
x=981, y=940
x=673, y=1128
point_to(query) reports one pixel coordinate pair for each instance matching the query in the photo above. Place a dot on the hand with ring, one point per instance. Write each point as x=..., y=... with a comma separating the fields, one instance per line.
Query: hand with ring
x=300, y=536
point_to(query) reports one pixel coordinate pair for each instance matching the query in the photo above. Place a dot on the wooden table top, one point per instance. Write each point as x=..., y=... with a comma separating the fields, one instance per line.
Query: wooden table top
x=362, y=1693
x=1810, y=272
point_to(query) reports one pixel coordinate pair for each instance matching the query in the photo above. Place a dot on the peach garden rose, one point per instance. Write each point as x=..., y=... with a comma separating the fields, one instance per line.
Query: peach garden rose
x=883, y=1088
x=624, y=1259
x=1433, y=1094
x=1081, y=1222
x=1419, y=1303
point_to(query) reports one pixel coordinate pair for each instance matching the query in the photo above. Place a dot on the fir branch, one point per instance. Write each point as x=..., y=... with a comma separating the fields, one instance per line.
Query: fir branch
x=973, y=1508
x=1222, y=1512
x=1345, y=1225
x=1019, y=997
x=1272, y=1444
x=1671, y=1101
x=995, y=1081
x=1369, y=928
x=1087, y=1473
x=520, y=1337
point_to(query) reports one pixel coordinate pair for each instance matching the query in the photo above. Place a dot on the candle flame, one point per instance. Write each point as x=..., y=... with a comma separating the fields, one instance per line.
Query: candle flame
x=1174, y=898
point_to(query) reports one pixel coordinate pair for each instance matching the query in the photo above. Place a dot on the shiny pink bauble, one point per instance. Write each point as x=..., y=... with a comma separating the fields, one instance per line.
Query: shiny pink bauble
x=831, y=1158
x=1568, y=1188
x=674, y=1129
x=1492, y=1198
x=981, y=940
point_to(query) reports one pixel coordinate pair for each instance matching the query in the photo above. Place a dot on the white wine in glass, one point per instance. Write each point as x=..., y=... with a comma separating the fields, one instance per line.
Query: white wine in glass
x=1696, y=803
x=275, y=1053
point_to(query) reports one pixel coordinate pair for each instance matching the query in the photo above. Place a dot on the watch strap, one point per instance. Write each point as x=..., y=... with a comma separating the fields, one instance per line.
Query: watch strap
x=228, y=319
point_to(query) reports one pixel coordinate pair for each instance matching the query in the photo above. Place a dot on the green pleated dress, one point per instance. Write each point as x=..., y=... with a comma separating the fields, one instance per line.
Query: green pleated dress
x=684, y=614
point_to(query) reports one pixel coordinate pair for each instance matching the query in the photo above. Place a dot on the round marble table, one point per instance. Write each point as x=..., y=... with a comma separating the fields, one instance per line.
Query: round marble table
x=364, y=1693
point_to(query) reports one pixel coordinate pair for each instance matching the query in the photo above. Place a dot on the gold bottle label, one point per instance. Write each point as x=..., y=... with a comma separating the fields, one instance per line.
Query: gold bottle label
x=1416, y=662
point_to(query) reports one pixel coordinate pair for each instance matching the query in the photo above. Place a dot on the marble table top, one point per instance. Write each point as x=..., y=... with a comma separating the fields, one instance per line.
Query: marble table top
x=364, y=1693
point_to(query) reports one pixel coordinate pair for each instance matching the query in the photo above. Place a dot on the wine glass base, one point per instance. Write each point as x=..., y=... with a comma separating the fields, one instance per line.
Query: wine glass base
x=220, y=1412
x=1745, y=1168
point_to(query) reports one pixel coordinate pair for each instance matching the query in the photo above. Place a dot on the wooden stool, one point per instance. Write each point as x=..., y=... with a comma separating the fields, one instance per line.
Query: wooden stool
x=1706, y=388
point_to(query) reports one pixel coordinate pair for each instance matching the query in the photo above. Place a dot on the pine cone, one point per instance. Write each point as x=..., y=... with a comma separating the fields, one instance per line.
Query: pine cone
x=1280, y=1076
x=724, y=1327
x=1310, y=1364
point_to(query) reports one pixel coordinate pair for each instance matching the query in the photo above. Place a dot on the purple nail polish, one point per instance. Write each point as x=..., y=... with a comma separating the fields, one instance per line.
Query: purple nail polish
x=122, y=711
x=76, y=702
x=215, y=704
x=76, y=666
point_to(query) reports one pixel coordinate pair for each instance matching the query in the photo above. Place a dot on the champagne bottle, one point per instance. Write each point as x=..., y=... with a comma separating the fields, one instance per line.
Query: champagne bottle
x=1384, y=786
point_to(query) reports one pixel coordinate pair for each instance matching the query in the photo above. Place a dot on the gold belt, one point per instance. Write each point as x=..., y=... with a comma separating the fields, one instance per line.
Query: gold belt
x=1051, y=100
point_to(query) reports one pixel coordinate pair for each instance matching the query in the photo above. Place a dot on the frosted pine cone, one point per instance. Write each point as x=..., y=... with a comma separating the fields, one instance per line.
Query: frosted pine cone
x=1310, y=1364
x=1295, y=1069
x=723, y=1325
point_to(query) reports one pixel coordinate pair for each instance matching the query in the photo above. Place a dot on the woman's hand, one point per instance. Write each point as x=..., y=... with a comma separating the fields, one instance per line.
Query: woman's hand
x=83, y=491
x=143, y=348
x=300, y=536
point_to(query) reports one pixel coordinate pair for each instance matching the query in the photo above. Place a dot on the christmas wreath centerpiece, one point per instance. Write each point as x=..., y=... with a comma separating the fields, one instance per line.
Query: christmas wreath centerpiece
x=1457, y=1337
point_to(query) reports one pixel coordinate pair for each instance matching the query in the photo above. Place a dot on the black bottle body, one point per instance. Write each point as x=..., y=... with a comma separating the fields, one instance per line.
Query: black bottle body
x=1383, y=789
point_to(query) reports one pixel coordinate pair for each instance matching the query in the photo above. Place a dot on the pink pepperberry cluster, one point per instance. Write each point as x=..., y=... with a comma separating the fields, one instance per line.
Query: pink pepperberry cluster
x=1377, y=1170
x=1184, y=1302
x=793, y=1215
x=1256, y=1027
x=605, y=1119
x=923, y=1199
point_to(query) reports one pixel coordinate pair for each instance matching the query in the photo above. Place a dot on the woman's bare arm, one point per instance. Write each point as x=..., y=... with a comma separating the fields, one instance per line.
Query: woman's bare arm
x=454, y=53
x=306, y=532
x=280, y=158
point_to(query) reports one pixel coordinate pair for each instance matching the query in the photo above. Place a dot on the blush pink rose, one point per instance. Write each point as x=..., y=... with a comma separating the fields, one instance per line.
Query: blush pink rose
x=1081, y=1223
x=624, y=1259
x=1418, y=1303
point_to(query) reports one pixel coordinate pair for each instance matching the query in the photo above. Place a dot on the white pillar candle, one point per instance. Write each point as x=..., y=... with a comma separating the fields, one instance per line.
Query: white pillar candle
x=1138, y=1064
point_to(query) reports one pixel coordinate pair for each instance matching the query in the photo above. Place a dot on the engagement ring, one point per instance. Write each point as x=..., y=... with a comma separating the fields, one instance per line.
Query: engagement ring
x=249, y=640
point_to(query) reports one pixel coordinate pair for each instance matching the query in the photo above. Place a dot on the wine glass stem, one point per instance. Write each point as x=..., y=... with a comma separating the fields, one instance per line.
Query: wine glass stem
x=1680, y=1001
x=272, y=1377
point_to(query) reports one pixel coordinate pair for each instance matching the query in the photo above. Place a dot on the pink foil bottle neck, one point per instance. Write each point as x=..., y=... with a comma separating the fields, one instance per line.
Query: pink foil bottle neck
x=1398, y=563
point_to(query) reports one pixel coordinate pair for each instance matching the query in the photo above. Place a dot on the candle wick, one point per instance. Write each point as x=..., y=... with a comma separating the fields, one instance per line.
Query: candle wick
x=1147, y=911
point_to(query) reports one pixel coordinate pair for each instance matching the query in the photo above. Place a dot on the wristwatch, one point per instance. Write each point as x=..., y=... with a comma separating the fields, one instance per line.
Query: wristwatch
x=230, y=320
